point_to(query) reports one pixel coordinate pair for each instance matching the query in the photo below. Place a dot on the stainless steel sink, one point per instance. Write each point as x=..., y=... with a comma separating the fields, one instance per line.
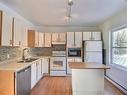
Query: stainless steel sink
x=27, y=60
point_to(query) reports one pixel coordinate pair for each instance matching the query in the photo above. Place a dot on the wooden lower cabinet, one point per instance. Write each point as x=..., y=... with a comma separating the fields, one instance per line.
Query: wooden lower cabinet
x=7, y=83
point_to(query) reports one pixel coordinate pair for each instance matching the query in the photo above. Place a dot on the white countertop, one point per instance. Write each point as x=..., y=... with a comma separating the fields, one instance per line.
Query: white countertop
x=15, y=66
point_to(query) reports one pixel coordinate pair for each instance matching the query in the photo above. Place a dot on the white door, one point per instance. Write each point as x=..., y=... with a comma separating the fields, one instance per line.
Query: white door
x=62, y=37
x=93, y=57
x=41, y=39
x=55, y=37
x=36, y=39
x=17, y=32
x=70, y=39
x=24, y=36
x=87, y=36
x=33, y=75
x=39, y=73
x=78, y=39
x=93, y=46
x=45, y=65
x=6, y=30
x=47, y=39
x=96, y=35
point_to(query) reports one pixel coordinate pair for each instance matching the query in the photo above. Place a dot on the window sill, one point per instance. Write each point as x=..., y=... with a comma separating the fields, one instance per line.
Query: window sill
x=118, y=67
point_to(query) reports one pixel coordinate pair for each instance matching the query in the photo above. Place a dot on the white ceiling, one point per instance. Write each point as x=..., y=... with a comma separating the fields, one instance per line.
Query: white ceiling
x=86, y=13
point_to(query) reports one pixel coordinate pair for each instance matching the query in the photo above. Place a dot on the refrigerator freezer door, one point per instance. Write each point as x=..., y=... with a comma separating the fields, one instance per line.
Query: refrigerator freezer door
x=93, y=57
x=93, y=46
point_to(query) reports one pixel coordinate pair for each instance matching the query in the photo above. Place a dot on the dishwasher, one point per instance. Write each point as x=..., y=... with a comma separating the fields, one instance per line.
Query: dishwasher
x=24, y=81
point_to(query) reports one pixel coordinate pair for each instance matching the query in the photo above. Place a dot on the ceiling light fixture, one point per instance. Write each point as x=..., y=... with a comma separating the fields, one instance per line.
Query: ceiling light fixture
x=68, y=17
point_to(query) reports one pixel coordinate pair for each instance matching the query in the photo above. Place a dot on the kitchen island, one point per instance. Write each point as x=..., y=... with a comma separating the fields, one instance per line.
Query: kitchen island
x=87, y=78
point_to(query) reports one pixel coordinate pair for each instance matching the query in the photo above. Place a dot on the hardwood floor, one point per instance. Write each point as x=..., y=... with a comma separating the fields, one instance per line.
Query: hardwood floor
x=62, y=86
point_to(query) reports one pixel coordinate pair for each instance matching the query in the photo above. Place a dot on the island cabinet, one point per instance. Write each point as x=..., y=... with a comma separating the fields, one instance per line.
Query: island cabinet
x=6, y=22
x=74, y=39
x=87, y=78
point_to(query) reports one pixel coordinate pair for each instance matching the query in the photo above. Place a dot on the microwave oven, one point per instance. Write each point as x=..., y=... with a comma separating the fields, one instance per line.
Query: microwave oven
x=74, y=52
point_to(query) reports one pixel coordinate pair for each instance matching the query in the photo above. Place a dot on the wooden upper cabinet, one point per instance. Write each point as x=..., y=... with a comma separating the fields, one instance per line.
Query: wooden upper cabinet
x=6, y=22
x=47, y=39
x=31, y=38
x=58, y=38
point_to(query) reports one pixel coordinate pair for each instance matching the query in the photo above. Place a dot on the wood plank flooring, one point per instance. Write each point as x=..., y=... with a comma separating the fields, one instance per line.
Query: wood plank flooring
x=62, y=86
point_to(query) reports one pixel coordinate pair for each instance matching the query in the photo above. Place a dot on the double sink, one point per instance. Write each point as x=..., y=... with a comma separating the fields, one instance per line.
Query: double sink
x=28, y=60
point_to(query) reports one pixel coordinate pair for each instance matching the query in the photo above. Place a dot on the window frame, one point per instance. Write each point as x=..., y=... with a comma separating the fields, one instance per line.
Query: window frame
x=111, y=48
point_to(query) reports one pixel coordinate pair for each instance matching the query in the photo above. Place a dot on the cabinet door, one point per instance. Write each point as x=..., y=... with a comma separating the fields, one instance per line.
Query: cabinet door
x=47, y=39
x=6, y=29
x=41, y=39
x=55, y=37
x=36, y=39
x=45, y=65
x=17, y=32
x=78, y=39
x=31, y=38
x=87, y=36
x=62, y=37
x=33, y=75
x=39, y=70
x=70, y=39
x=96, y=35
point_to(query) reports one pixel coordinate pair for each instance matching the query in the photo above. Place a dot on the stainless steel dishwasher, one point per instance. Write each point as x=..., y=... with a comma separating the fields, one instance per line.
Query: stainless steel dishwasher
x=24, y=81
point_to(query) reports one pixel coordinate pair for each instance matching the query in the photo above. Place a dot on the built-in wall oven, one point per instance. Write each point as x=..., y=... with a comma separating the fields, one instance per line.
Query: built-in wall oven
x=74, y=52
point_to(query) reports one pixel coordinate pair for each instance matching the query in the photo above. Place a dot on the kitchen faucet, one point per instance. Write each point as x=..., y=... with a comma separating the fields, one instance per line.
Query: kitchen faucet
x=23, y=54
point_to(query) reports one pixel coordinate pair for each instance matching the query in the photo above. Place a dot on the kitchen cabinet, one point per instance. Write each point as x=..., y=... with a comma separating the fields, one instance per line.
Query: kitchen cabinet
x=74, y=39
x=91, y=36
x=58, y=38
x=33, y=75
x=31, y=38
x=47, y=39
x=6, y=29
x=70, y=39
x=45, y=65
x=7, y=83
x=41, y=39
x=36, y=39
x=38, y=72
x=20, y=33
x=96, y=35
x=78, y=39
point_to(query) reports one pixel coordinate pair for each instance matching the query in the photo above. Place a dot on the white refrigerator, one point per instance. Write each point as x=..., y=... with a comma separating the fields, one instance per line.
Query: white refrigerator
x=92, y=51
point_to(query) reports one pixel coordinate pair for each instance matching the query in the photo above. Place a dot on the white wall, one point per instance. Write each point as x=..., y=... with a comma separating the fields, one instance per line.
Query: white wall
x=16, y=15
x=114, y=73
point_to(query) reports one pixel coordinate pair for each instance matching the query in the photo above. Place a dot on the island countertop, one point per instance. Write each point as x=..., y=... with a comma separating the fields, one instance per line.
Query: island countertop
x=83, y=65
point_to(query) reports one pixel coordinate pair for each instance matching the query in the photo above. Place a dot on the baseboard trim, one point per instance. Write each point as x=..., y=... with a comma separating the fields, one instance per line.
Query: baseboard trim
x=118, y=86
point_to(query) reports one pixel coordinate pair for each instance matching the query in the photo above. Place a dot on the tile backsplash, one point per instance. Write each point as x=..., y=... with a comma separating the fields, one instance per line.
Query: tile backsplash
x=7, y=53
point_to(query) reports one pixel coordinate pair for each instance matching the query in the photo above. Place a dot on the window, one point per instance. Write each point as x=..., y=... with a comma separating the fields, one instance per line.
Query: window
x=119, y=47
